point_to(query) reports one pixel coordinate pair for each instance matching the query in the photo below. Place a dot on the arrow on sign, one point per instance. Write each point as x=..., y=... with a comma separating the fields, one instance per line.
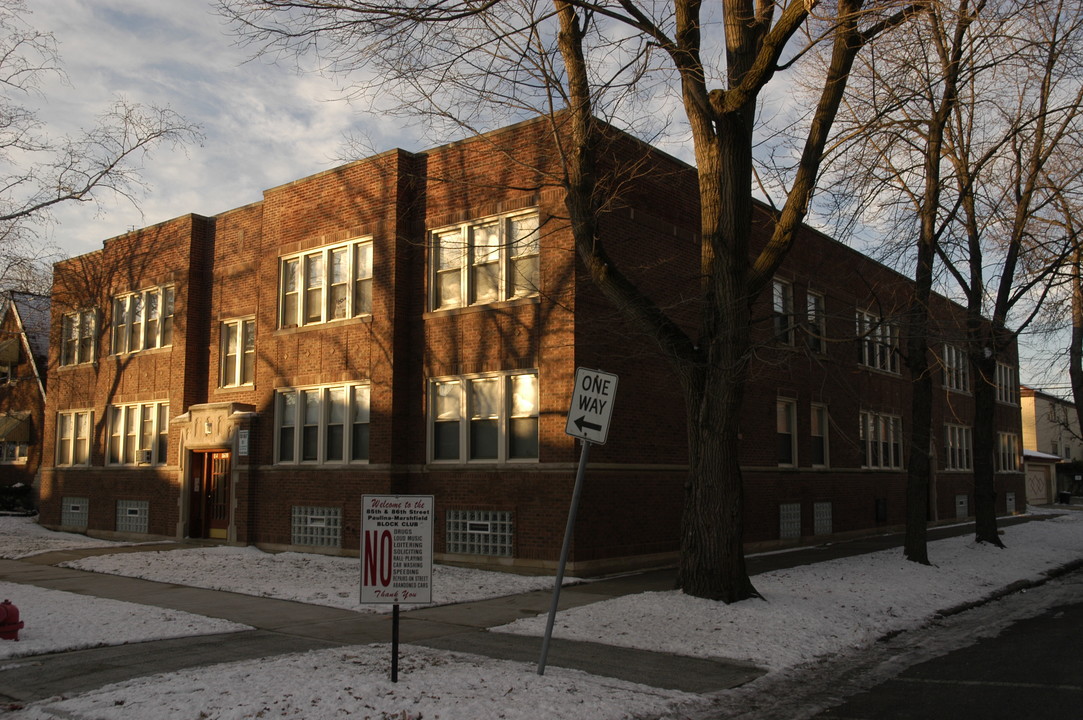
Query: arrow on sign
x=581, y=422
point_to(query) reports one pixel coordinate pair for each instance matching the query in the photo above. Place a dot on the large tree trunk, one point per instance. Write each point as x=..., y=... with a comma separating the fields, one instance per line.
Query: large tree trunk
x=984, y=362
x=1075, y=350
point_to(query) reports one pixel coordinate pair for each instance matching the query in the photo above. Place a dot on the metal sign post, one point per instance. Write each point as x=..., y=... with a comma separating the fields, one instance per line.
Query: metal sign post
x=396, y=555
x=588, y=420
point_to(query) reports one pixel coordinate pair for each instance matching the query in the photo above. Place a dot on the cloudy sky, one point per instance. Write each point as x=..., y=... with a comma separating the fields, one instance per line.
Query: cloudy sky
x=264, y=125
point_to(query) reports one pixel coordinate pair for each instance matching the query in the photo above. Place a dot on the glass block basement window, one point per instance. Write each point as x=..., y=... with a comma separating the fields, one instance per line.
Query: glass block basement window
x=789, y=521
x=75, y=512
x=319, y=526
x=132, y=516
x=480, y=532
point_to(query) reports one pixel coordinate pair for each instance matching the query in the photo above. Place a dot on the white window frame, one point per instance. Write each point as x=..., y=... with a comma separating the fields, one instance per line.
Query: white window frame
x=78, y=337
x=820, y=420
x=136, y=428
x=1007, y=452
x=460, y=254
x=241, y=366
x=956, y=369
x=1007, y=384
x=958, y=447
x=70, y=444
x=14, y=453
x=318, y=427
x=782, y=316
x=878, y=343
x=786, y=425
x=507, y=409
x=816, y=319
x=310, y=301
x=881, y=440
x=136, y=313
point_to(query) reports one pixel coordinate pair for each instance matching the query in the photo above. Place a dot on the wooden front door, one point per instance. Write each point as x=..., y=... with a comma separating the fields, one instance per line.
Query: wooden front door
x=210, y=495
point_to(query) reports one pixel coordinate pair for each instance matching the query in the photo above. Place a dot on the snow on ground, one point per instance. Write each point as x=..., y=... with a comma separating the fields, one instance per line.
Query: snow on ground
x=353, y=682
x=21, y=537
x=307, y=578
x=64, y=621
x=810, y=611
x=816, y=610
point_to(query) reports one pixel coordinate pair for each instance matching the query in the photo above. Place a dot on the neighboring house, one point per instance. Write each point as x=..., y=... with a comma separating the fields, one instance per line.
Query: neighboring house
x=24, y=352
x=1052, y=439
x=411, y=323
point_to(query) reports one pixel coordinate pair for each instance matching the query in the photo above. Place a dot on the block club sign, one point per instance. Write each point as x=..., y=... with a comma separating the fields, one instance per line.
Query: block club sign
x=396, y=548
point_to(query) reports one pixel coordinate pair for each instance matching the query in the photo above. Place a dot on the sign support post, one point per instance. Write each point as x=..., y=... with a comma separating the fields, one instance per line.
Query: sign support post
x=588, y=420
x=572, y=512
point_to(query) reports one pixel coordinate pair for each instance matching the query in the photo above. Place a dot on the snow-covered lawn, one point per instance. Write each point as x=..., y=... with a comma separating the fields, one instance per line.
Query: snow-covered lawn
x=58, y=620
x=810, y=612
x=22, y=537
x=307, y=578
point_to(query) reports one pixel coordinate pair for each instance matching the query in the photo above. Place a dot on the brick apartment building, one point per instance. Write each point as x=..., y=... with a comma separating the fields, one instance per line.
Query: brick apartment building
x=24, y=352
x=411, y=323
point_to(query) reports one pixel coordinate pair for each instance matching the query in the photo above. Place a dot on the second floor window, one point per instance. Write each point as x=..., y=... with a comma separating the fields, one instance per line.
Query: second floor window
x=786, y=412
x=143, y=320
x=1007, y=384
x=329, y=283
x=138, y=434
x=878, y=343
x=958, y=454
x=817, y=322
x=956, y=369
x=782, y=311
x=238, y=352
x=73, y=437
x=78, y=331
x=485, y=261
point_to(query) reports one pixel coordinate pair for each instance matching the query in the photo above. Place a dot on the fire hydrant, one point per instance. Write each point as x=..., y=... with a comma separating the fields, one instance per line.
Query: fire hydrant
x=9, y=621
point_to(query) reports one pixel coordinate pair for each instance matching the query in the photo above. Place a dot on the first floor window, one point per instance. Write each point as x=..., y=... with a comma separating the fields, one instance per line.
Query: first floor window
x=881, y=441
x=325, y=424
x=958, y=453
x=785, y=411
x=819, y=435
x=73, y=437
x=1007, y=452
x=491, y=418
x=138, y=433
x=238, y=352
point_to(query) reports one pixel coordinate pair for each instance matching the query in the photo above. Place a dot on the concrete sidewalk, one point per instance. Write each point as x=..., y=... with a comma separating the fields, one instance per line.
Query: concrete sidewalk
x=283, y=627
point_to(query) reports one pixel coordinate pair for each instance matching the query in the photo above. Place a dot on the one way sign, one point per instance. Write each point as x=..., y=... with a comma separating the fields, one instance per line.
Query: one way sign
x=592, y=404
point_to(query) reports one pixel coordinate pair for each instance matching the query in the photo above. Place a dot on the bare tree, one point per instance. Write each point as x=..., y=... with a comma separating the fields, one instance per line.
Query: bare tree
x=463, y=64
x=40, y=172
x=970, y=151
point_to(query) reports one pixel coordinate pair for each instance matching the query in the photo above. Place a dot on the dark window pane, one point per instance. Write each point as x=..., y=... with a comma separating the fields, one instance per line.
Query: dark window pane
x=285, y=444
x=359, y=448
x=445, y=440
x=484, y=439
x=523, y=438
